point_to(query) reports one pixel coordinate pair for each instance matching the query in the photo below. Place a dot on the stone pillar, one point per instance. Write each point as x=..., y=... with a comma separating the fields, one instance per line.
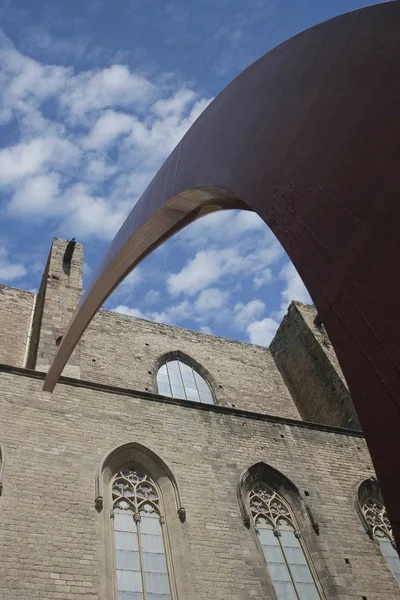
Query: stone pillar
x=58, y=296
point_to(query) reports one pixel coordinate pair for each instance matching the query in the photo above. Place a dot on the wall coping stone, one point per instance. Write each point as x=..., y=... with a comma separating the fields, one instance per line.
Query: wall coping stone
x=227, y=410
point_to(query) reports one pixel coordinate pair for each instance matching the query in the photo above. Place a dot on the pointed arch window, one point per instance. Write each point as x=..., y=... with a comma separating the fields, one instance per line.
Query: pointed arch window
x=178, y=379
x=282, y=547
x=139, y=538
x=380, y=530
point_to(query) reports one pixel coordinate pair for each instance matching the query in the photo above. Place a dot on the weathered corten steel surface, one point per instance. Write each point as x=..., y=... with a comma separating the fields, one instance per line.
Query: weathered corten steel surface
x=309, y=138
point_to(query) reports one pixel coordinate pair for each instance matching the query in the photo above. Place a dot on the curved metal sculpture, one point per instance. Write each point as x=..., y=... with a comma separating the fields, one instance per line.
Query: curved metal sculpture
x=309, y=138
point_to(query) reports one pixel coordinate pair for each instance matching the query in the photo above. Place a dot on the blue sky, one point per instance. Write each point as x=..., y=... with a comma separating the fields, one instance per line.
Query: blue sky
x=94, y=96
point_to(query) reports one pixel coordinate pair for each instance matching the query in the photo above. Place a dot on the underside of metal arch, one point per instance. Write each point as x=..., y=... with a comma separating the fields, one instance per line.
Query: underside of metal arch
x=308, y=137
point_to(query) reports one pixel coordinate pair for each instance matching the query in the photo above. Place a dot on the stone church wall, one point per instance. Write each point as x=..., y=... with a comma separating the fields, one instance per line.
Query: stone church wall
x=310, y=368
x=51, y=535
x=16, y=308
x=123, y=351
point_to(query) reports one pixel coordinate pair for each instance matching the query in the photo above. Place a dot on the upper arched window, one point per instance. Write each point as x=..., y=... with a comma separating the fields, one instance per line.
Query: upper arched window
x=140, y=558
x=376, y=519
x=177, y=379
x=282, y=547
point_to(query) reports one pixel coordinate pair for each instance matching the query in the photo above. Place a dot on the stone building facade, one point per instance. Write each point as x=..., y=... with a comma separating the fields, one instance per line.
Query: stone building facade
x=214, y=488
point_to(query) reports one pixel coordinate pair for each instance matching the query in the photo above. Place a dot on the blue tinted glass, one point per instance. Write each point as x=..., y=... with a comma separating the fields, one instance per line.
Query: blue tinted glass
x=295, y=556
x=179, y=380
x=301, y=574
x=157, y=583
x=307, y=591
x=129, y=581
x=125, y=541
x=130, y=596
x=284, y=590
x=152, y=543
x=279, y=572
x=127, y=560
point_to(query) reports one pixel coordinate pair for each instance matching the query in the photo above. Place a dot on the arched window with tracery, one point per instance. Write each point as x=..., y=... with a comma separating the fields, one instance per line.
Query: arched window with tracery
x=283, y=549
x=178, y=379
x=377, y=523
x=139, y=538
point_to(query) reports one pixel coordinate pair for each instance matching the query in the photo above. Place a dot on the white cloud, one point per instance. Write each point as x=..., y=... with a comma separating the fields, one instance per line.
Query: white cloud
x=131, y=312
x=245, y=313
x=87, y=159
x=9, y=271
x=110, y=87
x=263, y=278
x=199, y=273
x=35, y=195
x=151, y=297
x=108, y=128
x=29, y=158
x=233, y=223
x=206, y=329
x=175, y=105
x=98, y=170
x=262, y=332
x=128, y=285
x=210, y=299
x=89, y=215
x=210, y=266
x=294, y=289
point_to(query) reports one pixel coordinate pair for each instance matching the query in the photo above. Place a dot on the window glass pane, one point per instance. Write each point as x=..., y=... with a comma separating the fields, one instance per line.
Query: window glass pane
x=127, y=561
x=288, y=539
x=163, y=376
x=201, y=382
x=154, y=563
x=129, y=581
x=301, y=574
x=187, y=375
x=150, y=525
x=152, y=543
x=125, y=541
x=267, y=536
x=394, y=563
x=192, y=394
x=279, y=572
x=158, y=596
x=163, y=370
x=157, y=583
x=130, y=596
x=284, y=590
x=206, y=397
x=164, y=389
x=123, y=521
x=177, y=379
x=391, y=557
x=387, y=548
x=174, y=372
x=273, y=554
x=295, y=556
x=307, y=591
x=178, y=391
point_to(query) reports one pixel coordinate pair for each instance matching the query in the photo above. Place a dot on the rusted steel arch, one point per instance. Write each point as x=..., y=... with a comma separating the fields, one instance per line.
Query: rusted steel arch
x=309, y=138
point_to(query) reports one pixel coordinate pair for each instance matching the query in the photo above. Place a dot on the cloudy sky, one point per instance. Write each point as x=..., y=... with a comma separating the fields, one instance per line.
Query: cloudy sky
x=94, y=95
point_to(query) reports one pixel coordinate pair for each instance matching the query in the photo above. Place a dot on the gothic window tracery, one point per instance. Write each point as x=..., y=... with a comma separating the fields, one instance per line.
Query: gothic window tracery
x=381, y=531
x=140, y=557
x=177, y=379
x=281, y=544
